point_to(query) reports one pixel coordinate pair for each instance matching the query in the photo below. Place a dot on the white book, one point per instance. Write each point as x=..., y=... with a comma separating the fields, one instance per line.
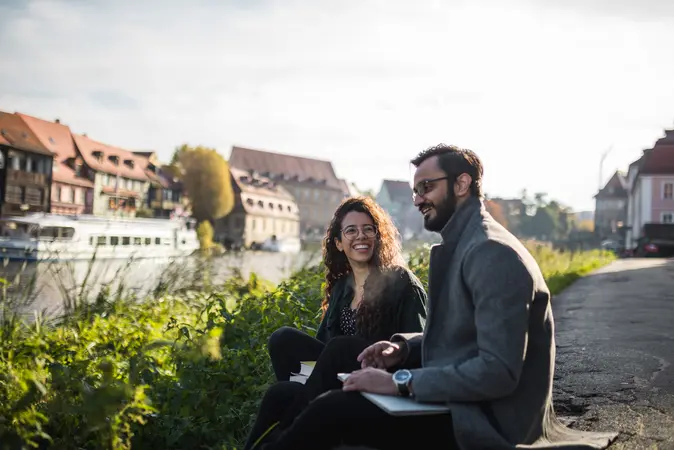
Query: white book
x=400, y=406
x=306, y=367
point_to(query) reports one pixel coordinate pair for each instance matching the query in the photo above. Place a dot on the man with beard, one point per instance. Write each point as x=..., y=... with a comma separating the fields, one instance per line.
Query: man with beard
x=487, y=351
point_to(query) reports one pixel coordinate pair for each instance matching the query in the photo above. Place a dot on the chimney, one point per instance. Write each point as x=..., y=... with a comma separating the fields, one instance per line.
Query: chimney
x=57, y=120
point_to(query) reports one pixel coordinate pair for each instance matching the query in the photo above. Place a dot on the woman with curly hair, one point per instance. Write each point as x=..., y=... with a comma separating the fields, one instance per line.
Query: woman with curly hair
x=368, y=292
x=369, y=295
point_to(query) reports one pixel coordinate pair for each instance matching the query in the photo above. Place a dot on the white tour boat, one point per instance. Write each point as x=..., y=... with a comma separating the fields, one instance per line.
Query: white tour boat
x=45, y=237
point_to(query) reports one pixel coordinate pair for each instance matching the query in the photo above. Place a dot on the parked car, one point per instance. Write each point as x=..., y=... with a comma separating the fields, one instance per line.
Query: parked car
x=657, y=240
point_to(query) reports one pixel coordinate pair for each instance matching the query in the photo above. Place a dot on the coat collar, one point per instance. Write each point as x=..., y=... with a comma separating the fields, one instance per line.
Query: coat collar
x=452, y=231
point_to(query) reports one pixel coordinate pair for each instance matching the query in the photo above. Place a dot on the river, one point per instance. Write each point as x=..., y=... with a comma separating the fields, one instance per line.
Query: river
x=44, y=287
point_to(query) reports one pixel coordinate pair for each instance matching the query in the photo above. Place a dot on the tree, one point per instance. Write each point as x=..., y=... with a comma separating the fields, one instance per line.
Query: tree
x=206, y=178
x=585, y=225
x=205, y=235
x=496, y=211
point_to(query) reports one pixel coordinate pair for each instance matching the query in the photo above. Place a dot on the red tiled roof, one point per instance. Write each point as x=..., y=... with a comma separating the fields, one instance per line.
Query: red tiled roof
x=658, y=161
x=160, y=176
x=262, y=189
x=57, y=138
x=17, y=134
x=301, y=168
x=398, y=191
x=260, y=185
x=87, y=147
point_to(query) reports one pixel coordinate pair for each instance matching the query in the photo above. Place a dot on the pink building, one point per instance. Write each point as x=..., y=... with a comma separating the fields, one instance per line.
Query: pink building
x=650, y=182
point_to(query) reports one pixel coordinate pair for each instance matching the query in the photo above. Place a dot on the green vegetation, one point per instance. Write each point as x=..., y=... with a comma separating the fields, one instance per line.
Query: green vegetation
x=184, y=369
x=206, y=177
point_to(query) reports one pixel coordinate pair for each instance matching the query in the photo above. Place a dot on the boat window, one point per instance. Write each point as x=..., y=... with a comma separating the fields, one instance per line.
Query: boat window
x=56, y=233
x=157, y=241
x=114, y=240
x=48, y=233
x=17, y=230
x=148, y=241
x=167, y=241
x=102, y=240
x=126, y=240
x=137, y=241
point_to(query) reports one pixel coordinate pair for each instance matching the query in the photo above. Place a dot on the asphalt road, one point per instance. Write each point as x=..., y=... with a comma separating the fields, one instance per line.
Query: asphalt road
x=615, y=353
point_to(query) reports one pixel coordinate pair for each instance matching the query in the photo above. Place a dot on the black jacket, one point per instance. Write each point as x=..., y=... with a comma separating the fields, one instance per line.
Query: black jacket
x=400, y=286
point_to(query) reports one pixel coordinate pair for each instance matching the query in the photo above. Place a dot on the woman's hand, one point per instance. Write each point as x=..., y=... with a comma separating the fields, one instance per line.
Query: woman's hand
x=382, y=355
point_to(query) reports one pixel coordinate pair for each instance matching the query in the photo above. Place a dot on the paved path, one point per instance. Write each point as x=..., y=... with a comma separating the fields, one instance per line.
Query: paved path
x=615, y=353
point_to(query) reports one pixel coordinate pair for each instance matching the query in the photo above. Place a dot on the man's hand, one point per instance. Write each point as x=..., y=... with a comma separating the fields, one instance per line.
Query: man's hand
x=376, y=381
x=382, y=355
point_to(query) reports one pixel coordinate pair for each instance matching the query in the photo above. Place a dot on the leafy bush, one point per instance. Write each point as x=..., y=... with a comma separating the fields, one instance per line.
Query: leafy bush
x=186, y=369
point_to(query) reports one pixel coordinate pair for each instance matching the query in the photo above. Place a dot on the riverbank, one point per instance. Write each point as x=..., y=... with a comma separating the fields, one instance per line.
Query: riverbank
x=184, y=369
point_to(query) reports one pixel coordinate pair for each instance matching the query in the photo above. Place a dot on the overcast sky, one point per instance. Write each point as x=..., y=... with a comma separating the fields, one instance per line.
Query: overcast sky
x=538, y=88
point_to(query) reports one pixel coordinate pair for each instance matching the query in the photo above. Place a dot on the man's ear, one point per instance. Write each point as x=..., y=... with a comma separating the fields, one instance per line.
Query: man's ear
x=462, y=185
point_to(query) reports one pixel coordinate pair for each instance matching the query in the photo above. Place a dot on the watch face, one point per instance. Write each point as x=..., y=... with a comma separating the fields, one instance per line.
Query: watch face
x=402, y=376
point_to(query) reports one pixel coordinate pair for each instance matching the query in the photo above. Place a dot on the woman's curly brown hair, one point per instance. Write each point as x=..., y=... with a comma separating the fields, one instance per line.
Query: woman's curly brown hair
x=387, y=255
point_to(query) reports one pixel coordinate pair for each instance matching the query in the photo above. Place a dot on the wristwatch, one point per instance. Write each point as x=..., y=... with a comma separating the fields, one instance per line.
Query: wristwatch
x=402, y=378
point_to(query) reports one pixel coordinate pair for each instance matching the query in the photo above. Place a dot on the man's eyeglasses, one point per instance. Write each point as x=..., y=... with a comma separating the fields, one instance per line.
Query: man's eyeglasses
x=351, y=232
x=422, y=187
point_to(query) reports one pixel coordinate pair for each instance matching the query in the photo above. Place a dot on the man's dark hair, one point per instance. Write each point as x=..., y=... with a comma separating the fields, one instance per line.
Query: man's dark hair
x=454, y=161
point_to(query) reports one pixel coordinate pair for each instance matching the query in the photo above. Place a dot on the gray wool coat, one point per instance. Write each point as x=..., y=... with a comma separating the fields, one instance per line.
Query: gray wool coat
x=488, y=348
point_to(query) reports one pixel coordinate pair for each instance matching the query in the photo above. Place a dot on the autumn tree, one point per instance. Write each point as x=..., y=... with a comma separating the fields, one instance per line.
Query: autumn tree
x=206, y=178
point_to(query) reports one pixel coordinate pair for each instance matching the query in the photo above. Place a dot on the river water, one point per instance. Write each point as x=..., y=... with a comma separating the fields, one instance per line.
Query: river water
x=44, y=287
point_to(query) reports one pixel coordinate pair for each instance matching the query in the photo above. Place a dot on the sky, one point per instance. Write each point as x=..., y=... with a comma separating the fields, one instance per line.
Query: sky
x=539, y=89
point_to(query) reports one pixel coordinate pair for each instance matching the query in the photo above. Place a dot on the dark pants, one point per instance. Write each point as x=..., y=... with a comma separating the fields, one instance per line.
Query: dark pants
x=285, y=400
x=288, y=346
x=347, y=418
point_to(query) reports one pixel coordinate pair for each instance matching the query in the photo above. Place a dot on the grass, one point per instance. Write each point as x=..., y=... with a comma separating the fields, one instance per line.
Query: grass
x=561, y=269
x=185, y=368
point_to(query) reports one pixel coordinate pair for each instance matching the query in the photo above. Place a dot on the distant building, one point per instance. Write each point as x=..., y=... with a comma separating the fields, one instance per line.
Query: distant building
x=396, y=198
x=611, y=207
x=25, y=168
x=120, y=181
x=72, y=181
x=262, y=210
x=512, y=209
x=349, y=189
x=165, y=195
x=312, y=182
x=650, y=186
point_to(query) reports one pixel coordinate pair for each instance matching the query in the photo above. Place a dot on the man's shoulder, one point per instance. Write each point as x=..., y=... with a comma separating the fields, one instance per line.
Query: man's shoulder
x=491, y=238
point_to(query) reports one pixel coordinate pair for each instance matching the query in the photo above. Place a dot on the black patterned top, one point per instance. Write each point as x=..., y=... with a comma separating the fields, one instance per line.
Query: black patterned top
x=347, y=321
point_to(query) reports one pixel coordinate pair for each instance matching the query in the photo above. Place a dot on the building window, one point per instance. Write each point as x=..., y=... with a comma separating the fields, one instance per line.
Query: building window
x=668, y=191
x=14, y=194
x=33, y=196
x=79, y=196
x=668, y=217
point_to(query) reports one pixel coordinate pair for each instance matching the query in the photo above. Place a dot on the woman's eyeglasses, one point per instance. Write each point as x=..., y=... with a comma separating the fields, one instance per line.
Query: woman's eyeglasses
x=351, y=232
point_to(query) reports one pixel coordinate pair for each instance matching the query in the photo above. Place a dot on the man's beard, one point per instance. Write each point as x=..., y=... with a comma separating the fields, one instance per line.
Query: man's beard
x=443, y=212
